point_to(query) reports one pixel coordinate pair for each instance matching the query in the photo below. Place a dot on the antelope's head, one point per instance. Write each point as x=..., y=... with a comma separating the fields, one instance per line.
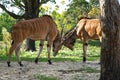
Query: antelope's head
x=57, y=44
x=69, y=39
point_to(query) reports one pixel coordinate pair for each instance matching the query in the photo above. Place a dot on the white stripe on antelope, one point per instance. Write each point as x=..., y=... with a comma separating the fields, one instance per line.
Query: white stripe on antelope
x=43, y=29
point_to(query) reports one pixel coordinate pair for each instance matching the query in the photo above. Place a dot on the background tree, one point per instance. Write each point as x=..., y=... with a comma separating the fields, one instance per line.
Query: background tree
x=29, y=9
x=5, y=21
x=110, y=48
x=78, y=8
x=94, y=3
x=61, y=21
x=95, y=10
x=57, y=14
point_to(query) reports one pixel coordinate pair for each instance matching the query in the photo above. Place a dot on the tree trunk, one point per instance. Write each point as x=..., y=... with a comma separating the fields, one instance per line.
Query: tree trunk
x=110, y=48
x=31, y=11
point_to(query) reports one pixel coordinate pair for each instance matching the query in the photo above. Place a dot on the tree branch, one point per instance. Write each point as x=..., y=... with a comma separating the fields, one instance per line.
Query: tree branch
x=11, y=14
x=45, y=1
x=19, y=4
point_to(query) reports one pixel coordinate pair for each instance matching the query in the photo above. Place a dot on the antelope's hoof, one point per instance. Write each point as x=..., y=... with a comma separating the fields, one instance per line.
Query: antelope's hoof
x=36, y=60
x=20, y=64
x=49, y=62
x=8, y=63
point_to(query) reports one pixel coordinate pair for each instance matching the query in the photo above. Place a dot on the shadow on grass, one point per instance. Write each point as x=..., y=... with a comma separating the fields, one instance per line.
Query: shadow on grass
x=4, y=58
x=53, y=59
x=57, y=59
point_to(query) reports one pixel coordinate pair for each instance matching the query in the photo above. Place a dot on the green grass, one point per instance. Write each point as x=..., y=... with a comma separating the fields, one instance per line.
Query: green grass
x=89, y=70
x=43, y=77
x=65, y=54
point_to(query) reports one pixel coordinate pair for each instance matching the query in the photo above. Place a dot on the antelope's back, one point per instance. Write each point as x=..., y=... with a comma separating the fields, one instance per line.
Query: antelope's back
x=36, y=29
x=89, y=28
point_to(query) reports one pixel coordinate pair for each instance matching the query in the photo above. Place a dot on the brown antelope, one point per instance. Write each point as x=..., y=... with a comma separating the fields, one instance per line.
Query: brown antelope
x=86, y=29
x=43, y=29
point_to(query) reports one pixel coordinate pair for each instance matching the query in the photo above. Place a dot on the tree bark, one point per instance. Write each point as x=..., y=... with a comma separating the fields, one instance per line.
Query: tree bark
x=110, y=47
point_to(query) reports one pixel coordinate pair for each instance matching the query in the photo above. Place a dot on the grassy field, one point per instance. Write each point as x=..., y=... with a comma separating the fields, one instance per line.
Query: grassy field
x=93, y=53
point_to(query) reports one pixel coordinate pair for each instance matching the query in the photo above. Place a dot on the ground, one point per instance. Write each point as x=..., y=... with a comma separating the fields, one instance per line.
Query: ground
x=66, y=70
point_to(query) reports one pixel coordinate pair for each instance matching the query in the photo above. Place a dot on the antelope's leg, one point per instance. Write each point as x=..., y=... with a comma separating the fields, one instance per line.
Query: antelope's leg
x=12, y=48
x=17, y=52
x=40, y=50
x=84, y=51
x=49, y=50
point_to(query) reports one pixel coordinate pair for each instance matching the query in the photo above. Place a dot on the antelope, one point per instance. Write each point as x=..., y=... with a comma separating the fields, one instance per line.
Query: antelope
x=43, y=28
x=85, y=30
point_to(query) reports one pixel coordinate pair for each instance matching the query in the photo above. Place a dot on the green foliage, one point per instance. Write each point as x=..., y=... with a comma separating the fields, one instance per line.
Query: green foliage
x=94, y=12
x=43, y=10
x=60, y=21
x=0, y=33
x=6, y=21
x=6, y=36
x=77, y=8
x=94, y=3
x=6, y=40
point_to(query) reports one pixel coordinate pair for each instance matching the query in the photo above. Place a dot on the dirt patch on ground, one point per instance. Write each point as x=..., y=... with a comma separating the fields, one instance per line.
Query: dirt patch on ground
x=62, y=70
